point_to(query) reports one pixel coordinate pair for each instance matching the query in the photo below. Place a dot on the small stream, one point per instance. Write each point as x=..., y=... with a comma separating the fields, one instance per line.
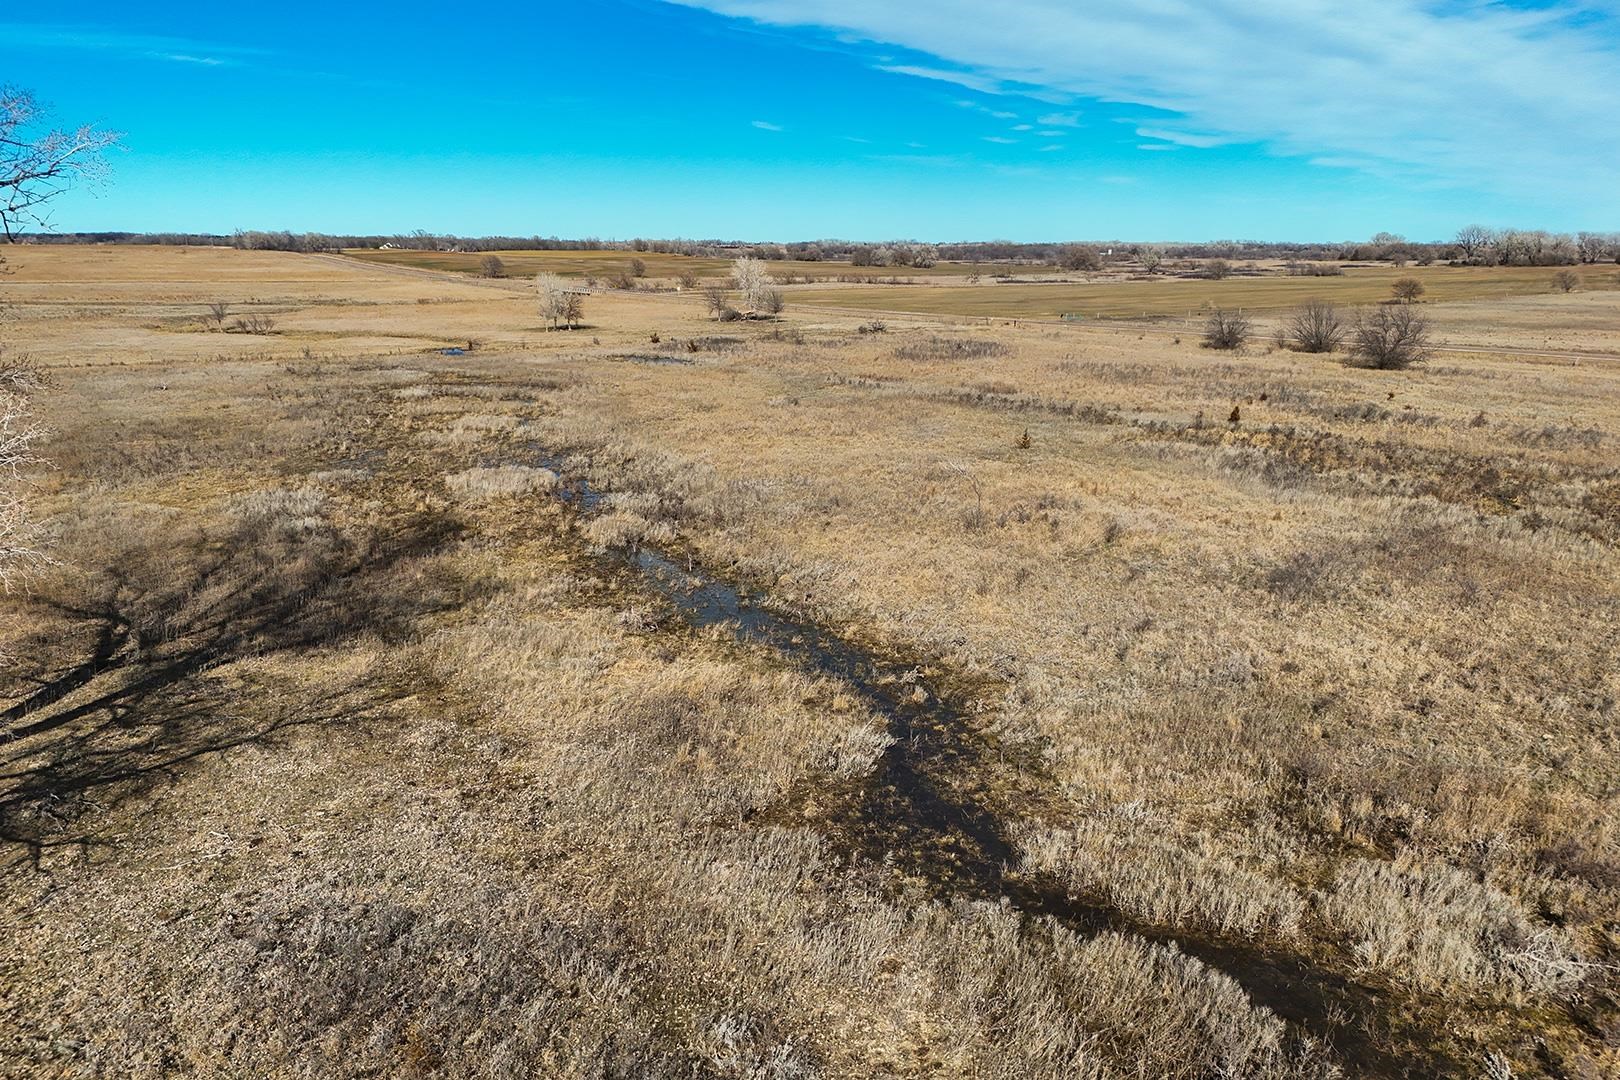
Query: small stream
x=905, y=815
x=925, y=812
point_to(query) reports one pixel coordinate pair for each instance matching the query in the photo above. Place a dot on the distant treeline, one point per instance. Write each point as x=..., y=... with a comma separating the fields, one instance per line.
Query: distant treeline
x=1473, y=245
x=286, y=240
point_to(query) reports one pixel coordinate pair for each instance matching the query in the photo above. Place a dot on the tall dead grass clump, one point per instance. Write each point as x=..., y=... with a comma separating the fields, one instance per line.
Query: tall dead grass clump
x=20, y=433
x=939, y=347
x=1130, y=862
x=1439, y=930
x=1076, y=1006
x=500, y=482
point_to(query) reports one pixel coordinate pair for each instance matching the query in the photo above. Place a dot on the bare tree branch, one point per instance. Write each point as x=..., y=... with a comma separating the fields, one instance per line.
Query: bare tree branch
x=38, y=164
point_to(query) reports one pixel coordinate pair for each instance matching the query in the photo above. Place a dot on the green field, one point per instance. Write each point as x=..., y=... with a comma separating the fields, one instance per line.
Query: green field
x=609, y=263
x=1183, y=297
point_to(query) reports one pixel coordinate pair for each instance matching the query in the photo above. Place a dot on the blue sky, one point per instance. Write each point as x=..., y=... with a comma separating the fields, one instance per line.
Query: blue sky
x=795, y=119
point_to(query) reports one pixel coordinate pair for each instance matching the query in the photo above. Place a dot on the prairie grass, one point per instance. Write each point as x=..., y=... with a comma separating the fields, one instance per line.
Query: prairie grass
x=327, y=755
x=938, y=347
x=1125, y=859
x=501, y=481
x=1437, y=928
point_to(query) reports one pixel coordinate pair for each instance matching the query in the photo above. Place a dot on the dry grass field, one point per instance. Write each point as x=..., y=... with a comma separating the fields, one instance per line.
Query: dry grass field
x=605, y=264
x=1179, y=297
x=787, y=700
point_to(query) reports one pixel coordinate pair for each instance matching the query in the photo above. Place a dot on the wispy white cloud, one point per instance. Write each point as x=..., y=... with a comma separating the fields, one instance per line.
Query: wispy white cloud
x=936, y=160
x=1183, y=138
x=961, y=78
x=994, y=114
x=766, y=125
x=1000, y=140
x=1063, y=119
x=1469, y=92
x=145, y=46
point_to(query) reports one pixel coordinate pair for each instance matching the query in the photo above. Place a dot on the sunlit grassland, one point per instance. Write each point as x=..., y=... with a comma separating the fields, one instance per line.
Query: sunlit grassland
x=604, y=264
x=1190, y=296
x=337, y=743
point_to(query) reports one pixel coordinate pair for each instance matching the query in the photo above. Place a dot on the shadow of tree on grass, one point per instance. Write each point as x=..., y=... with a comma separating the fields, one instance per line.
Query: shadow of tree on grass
x=123, y=690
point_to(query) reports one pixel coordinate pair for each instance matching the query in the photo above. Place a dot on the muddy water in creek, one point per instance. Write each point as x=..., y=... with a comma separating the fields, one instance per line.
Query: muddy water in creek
x=926, y=812
x=903, y=814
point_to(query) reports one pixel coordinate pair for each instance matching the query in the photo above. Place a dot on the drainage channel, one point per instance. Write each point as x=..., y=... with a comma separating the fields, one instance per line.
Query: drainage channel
x=920, y=812
x=905, y=814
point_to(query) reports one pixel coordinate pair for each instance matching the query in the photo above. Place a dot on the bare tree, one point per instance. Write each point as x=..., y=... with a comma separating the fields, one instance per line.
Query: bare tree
x=1407, y=289
x=688, y=279
x=1080, y=257
x=717, y=300
x=1218, y=269
x=1593, y=246
x=1473, y=240
x=217, y=312
x=553, y=297
x=1226, y=330
x=753, y=281
x=1151, y=259
x=37, y=164
x=772, y=302
x=491, y=266
x=1567, y=280
x=1316, y=327
x=925, y=256
x=1390, y=337
x=638, y=268
x=573, y=308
